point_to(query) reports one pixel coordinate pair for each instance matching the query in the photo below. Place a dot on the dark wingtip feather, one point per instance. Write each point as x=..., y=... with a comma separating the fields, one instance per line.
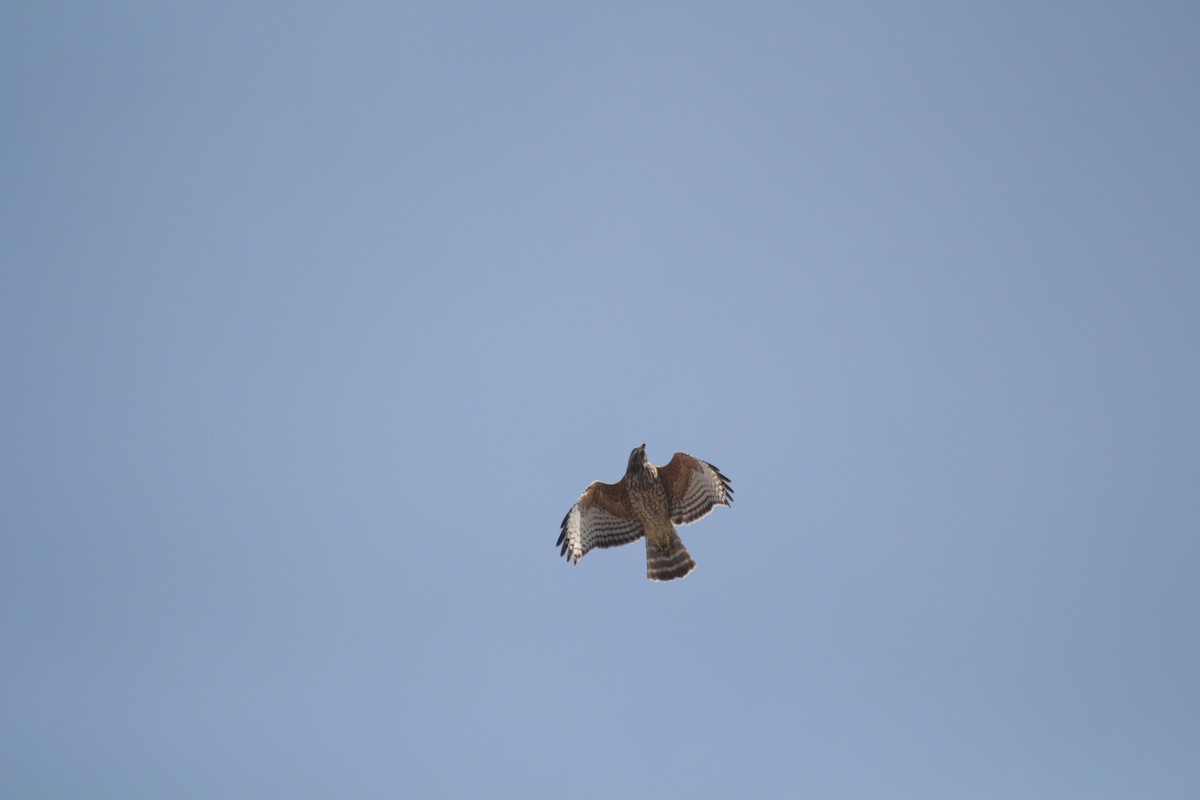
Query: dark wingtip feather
x=717, y=470
x=724, y=482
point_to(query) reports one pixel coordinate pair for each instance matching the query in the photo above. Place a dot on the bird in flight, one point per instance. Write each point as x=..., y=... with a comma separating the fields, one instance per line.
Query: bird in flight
x=649, y=501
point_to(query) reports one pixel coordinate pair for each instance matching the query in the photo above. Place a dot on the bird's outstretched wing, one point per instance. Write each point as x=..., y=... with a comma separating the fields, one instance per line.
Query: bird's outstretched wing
x=601, y=518
x=694, y=488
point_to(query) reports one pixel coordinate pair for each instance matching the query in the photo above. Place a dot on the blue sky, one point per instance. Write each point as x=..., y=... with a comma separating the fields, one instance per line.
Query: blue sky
x=316, y=319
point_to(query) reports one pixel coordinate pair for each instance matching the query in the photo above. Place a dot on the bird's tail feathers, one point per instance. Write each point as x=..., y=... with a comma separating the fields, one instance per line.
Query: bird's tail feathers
x=667, y=562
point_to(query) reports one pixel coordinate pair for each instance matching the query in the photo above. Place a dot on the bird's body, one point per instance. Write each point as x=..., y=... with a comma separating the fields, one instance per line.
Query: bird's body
x=649, y=501
x=666, y=557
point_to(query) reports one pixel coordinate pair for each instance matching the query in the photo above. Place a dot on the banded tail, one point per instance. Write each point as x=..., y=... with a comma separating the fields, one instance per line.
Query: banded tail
x=666, y=563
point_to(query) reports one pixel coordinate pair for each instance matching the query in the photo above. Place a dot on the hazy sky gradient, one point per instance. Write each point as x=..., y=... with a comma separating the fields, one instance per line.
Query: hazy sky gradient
x=316, y=320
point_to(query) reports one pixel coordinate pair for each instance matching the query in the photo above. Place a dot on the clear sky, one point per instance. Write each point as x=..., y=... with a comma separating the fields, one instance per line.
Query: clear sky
x=316, y=319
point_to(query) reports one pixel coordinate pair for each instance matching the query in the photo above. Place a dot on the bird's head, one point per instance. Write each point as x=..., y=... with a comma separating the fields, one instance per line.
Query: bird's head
x=637, y=458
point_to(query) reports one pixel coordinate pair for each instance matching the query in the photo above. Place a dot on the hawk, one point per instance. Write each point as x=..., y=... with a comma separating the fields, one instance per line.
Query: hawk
x=649, y=501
